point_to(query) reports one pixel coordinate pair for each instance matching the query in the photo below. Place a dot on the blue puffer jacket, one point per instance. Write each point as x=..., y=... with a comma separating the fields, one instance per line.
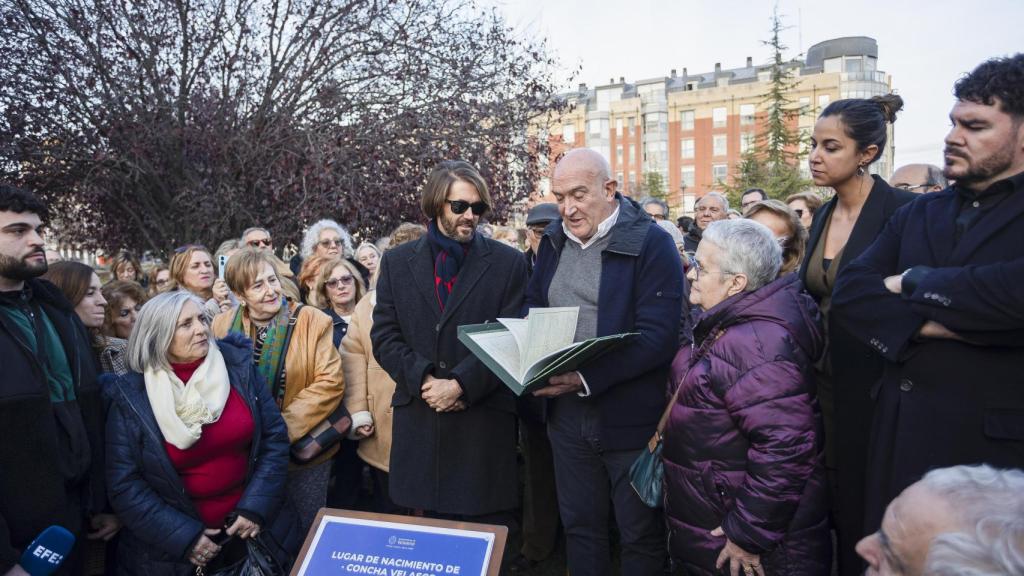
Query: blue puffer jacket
x=161, y=524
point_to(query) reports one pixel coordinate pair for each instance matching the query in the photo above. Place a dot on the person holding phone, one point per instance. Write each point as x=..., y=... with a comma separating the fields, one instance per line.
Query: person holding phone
x=197, y=453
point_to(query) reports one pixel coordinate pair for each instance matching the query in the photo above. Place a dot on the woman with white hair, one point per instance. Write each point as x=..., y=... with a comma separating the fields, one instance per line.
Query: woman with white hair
x=744, y=462
x=197, y=453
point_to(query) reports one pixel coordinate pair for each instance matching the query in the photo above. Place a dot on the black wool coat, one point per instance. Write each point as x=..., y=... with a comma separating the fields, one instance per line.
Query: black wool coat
x=855, y=368
x=942, y=402
x=33, y=495
x=464, y=462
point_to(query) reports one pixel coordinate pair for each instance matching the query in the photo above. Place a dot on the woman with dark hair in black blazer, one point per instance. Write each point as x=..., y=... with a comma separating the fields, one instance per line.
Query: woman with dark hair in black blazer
x=848, y=137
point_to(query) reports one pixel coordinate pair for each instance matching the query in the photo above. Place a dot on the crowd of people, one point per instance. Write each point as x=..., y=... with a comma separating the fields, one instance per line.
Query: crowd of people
x=836, y=384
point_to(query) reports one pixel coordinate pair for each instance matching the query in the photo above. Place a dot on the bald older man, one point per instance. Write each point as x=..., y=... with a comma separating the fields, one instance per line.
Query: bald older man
x=609, y=258
x=919, y=178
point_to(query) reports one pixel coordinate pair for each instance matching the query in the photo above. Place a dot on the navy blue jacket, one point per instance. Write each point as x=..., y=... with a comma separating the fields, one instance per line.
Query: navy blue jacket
x=161, y=525
x=942, y=402
x=641, y=291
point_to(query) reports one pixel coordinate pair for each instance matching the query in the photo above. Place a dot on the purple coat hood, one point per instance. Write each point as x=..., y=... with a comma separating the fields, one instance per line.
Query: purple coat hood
x=743, y=447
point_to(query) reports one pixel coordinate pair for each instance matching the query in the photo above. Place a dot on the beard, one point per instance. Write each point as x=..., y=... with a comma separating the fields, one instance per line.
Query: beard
x=450, y=227
x=19, y=270
x=982, y=169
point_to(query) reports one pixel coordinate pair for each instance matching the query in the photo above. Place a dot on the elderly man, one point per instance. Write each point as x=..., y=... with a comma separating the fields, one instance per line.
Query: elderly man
x=710, y=208
x=257, y=237
x=609, y=258
x=938, y=295
x=959, y=520
x=919, y=178
x=655, y=208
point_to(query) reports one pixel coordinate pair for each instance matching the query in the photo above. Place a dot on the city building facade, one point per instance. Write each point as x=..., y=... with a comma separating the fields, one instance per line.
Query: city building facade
x=685, y=133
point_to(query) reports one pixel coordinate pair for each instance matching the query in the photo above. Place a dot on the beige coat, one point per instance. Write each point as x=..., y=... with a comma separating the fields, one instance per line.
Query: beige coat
x=314, y=383
x=369, y=386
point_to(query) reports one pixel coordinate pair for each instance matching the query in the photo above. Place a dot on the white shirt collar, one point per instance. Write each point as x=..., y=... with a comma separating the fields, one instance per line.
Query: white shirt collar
x=602, y=230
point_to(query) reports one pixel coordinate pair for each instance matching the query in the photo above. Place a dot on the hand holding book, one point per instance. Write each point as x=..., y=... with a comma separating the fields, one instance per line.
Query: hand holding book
x=569, y=383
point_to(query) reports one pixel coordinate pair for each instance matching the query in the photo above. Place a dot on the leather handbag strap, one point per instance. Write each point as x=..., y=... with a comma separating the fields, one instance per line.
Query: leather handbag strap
x=279, y=378
x=675, y=395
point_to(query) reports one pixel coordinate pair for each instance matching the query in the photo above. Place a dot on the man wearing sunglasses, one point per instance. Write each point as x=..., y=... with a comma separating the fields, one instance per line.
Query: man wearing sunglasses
x=453, y=434
x=622, y=270
x=258, y=238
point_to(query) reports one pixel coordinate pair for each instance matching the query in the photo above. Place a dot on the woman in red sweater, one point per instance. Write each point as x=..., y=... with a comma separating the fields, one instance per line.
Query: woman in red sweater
x=197, y=456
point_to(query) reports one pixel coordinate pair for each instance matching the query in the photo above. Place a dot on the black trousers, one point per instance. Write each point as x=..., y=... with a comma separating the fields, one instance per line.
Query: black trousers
x=590, y=478
x=540, y=499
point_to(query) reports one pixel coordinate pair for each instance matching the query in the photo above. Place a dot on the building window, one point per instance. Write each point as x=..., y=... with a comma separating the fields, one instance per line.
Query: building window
x=569, y=133
x=686, y=120
x=822, y=101
x=688, y=176
x=805, y=105
x=618, y=178
x=746, y=114
x=719, y=172
x=632, y=181
x=719, y=144
x=746, y=142
x=631, y=124
x=853, y=64
x=718, y=117
x=618, y=125
x=687, y=148
x=599, y=127
x=618, y=154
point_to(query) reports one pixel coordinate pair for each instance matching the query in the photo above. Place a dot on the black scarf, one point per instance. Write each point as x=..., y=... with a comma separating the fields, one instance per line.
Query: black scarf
x=448, y=258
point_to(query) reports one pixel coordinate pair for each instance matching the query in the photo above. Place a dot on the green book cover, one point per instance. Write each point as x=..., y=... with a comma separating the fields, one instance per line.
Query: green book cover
x=525, y=353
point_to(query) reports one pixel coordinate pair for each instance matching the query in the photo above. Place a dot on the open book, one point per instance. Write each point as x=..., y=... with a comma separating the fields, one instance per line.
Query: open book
x=525, y=353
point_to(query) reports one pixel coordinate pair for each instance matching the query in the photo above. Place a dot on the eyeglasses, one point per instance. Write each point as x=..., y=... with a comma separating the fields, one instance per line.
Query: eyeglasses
x=330, y=242
x=698, y=269
x=344, y=281
x=460, y=206
x=260, y=242
x=910, y=188
x=187, y=247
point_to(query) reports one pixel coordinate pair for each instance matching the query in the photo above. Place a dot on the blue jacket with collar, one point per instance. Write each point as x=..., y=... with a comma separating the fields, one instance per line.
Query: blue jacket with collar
x=161, y=525
x=641, y=291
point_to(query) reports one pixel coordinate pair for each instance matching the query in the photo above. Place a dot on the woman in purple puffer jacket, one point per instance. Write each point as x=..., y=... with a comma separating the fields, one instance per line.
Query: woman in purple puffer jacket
x=743, y=452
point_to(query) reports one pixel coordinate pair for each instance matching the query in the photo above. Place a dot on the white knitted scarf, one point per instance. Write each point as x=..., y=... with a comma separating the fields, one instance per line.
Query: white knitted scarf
x=182, y=409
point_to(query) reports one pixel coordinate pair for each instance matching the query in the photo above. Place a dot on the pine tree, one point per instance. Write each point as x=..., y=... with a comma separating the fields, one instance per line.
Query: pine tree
x=772, y=163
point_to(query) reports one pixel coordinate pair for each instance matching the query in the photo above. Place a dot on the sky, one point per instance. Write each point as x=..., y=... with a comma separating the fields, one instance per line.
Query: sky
x=925, y=45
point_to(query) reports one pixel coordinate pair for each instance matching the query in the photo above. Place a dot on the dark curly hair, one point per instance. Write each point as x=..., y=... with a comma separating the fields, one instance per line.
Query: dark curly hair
x=1001, y=78
x=20, y=201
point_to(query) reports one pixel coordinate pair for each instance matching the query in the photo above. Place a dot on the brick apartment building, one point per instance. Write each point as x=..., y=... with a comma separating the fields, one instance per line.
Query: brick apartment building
x=691, y=129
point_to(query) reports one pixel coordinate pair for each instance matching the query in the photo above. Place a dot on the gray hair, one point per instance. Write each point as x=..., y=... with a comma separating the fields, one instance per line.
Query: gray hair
x=154, y=330
x=369, y=245
x=661, y=203
x=312, y=236
x=935, y=176
x=721, y=198
x=251, y=230
x=990, y=503
x=748, y=248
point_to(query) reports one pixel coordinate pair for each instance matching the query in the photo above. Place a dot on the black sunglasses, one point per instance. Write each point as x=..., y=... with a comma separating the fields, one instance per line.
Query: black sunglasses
x=460, y=206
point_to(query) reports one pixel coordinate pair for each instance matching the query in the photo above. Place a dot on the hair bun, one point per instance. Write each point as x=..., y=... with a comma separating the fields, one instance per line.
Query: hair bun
x=890, y=105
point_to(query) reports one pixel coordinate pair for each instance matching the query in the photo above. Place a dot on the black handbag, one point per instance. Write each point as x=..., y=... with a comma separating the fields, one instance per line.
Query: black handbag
x=258, y=561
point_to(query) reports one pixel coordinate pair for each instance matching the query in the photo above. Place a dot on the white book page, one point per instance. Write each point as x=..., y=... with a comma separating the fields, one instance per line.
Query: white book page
x=501, y=346
x=518, y=327
x=548, y=329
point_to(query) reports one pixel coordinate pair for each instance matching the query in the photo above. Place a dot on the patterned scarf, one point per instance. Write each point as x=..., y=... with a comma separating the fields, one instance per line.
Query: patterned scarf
x=272, y=352
x=448, y=258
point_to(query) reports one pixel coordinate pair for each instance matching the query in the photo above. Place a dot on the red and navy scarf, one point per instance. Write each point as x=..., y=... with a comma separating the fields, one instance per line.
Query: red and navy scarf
x=448, y=258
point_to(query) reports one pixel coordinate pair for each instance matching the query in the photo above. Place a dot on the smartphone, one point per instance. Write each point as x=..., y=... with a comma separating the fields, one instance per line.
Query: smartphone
x=222, y=262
